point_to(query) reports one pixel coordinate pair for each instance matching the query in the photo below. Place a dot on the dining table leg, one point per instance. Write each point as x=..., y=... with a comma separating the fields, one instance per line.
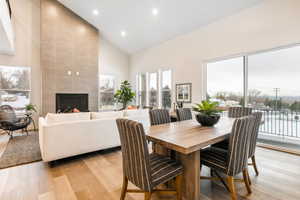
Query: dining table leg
x=191, y=175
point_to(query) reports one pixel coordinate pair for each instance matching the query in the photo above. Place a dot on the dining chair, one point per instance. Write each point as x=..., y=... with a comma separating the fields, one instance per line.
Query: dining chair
x=253, y=141
x=159, y=116
x=144, y=170
x=254, y=136
x=236, y=112
x=234, y=160
x=184, y=114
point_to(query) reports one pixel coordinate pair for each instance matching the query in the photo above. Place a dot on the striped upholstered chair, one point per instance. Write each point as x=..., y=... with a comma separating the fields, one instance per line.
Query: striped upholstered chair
x=184, y=114
x=225, y=144
x=236, y=112
x=234, y=160
x=144, y=170
x=159, y=116
x=254, y=136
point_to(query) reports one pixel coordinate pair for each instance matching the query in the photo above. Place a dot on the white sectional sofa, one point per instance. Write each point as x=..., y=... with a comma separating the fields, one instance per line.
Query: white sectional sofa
x=65, y=135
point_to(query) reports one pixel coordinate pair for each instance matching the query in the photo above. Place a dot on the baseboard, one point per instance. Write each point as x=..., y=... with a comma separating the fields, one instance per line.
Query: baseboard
x=281, y=149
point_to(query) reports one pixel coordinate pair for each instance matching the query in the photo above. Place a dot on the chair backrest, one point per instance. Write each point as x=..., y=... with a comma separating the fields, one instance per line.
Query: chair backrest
x=7, y=113
x=159, y=116
x=184, y=114
x=236, y=112
x=239, y=143
x=135, y=154
x=253, y=140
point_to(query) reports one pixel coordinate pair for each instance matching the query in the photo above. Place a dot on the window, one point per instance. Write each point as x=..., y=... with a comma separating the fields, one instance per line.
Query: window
x=166, y=92
x=153, y=90
x=266, y=81
x=15, y=86
x=274, y=80
x=141, y=90
x=107, y=90
x=225, y=81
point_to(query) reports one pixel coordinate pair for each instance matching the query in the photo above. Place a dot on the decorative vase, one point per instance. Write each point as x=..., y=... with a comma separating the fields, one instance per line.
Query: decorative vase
x=207, y=120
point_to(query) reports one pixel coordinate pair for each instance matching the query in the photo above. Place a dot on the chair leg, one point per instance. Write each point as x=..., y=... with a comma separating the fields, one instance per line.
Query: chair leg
x=178, y=187
x=246, y=181
x=10, y=133
x=26, y=131
x=124, y=188
x=254, y=165
x=249, y=179
x=148, y=195
x=211, y=172
x=222, y=181
x=230, y=180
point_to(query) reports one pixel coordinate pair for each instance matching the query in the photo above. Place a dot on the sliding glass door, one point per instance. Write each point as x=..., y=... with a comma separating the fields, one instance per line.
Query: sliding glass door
x=274, y=88
x=269, y=83
x=225, y=81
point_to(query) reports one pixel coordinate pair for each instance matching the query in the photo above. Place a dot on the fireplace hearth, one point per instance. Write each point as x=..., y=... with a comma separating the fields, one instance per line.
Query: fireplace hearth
x=69, y=102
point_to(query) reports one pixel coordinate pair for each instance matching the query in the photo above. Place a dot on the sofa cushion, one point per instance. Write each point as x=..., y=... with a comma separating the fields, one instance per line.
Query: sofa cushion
x=141, y=115
x=53, y=118
x=107, y=115
x=136, y=113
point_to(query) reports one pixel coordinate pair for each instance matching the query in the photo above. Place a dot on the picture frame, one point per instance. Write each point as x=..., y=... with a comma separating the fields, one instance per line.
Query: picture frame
x=184, y=92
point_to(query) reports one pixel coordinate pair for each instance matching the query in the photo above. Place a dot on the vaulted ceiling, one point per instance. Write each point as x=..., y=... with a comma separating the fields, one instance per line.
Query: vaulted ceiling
x=133, y=25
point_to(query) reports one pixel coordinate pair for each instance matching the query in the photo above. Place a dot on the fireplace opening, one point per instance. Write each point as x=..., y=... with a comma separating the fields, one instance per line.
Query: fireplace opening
x=72, y=103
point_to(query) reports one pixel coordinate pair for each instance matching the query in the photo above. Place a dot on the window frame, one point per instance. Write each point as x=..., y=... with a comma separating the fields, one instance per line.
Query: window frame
x=245, y=68
x=99, y=91
x=148, y=88
x=159, y=83
x=22, y=109
x=161, y=86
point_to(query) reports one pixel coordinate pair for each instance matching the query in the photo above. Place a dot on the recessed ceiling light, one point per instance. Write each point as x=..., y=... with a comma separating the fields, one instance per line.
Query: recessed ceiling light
x=95, y=12
x=155, y=11
x=123, y=33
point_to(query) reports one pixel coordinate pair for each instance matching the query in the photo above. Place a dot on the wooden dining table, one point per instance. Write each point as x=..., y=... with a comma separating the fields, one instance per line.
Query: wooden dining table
x=187, y=138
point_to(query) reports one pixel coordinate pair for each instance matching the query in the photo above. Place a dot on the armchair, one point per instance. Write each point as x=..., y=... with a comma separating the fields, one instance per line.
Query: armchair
x=9, y=121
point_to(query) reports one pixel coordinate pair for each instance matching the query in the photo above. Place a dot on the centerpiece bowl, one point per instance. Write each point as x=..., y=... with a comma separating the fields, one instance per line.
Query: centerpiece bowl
x=208, y=113
x=206, y=120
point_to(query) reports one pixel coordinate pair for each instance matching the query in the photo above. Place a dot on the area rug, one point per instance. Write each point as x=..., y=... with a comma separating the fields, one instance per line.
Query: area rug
x=21, y=150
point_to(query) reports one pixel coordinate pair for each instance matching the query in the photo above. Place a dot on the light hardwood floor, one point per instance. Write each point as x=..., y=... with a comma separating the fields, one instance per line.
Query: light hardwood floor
x=99, y=176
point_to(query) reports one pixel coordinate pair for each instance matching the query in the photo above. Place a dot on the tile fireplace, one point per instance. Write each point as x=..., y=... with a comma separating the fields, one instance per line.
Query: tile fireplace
x=66, y=102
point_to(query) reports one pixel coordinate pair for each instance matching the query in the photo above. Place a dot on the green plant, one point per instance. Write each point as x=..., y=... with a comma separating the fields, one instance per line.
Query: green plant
x=30, y=107
x=124, y=95
x=207, y=108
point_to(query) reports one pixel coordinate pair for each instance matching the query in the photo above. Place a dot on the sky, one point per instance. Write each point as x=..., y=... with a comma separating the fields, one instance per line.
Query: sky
x=275, y=69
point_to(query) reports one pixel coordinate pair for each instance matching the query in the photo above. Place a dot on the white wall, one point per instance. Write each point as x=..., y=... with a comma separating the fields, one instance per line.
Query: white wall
x=26, y=24
x=6, y=30
x=113, y=61
x=269, y=24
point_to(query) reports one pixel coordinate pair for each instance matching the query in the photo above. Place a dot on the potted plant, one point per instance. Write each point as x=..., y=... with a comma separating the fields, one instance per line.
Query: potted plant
x=208, y=113
x=124, y=95
x=30, y=109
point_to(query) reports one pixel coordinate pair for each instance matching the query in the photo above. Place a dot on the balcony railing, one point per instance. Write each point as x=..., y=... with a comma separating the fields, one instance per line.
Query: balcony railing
x=281, y=123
